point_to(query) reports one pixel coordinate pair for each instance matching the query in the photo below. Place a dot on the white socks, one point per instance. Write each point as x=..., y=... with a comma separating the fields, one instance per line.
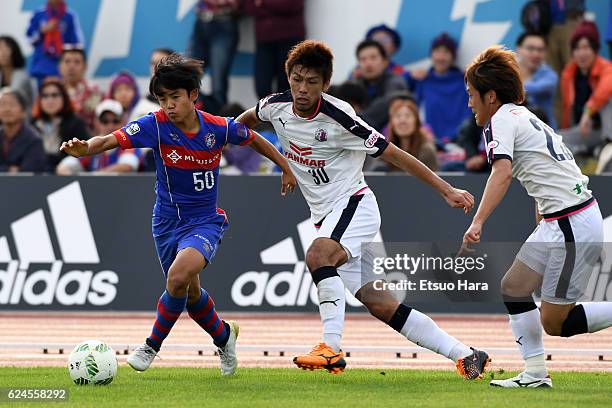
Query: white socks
x=332, y=299
x=598, y=315
x=527, y=330
x=423, y=331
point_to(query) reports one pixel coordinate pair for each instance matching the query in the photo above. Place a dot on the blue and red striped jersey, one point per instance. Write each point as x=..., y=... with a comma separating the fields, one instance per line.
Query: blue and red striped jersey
x=187, y=165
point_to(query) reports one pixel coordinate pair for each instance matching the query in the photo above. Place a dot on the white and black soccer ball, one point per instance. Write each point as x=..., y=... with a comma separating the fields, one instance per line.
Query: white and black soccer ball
x=92, y=362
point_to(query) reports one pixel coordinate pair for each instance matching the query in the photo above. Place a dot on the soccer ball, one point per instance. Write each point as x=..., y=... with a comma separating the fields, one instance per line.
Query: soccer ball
x=92, y=362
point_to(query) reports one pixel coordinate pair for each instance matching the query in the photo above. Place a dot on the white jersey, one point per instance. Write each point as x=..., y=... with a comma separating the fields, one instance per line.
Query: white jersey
x=540, y=160
x=326, y=151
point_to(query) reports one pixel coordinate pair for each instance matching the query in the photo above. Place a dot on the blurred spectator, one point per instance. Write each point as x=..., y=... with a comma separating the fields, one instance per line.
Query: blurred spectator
x=391, y=42
x=279, y=25
x=378, y=82
x=586, y=86
x=84, y=95
x=149, y=103
x=442, y=93
x=215, y=40
x=470, y=139
x=352, y=92
x=405, y=132
x=20, y=146
x=539, y=79
x=109, y=114
x=566, y=15
x=124, y=89
x=56, y=121
x=238, y=159
x=51, y=29
x=12, y=69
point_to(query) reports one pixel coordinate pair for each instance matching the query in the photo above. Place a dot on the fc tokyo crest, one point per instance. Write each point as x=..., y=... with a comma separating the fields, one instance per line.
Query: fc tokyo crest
x=209, y=139
x=321, y=135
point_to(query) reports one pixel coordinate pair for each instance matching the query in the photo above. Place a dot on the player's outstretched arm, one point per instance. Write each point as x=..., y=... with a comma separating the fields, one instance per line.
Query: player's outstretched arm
x=454, y=197
x=267, y=149
x=95, y=145
x=495, y=190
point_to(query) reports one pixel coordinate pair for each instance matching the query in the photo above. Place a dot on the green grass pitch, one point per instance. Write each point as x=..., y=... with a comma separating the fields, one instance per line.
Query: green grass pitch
x=261, y=387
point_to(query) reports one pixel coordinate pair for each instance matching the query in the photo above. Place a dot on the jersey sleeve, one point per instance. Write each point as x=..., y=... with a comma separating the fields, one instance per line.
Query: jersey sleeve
x=139, y=133
x=499, y=135
x=358, y=135
x=265, y=109
x=238, y=134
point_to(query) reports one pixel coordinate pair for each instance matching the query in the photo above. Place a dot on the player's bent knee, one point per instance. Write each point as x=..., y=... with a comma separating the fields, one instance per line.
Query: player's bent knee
x=552, y=326
x=514, y=288
x=320, y=254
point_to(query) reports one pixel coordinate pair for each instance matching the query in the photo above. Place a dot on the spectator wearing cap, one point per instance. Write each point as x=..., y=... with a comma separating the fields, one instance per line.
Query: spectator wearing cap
x=441, y=93
x=12, y=69
x=391, y=42
x=123, y=88
x=55, y=120
x=279, y=25
x=378, y=82
x=84, y=95
x=52, y=28
x=109, y=117
x=539, y=79
x=21, y=149
x=586, y=88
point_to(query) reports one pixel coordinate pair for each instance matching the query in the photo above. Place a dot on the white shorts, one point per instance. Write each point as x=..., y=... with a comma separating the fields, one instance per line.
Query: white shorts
x=353, y=221
x=564, y=251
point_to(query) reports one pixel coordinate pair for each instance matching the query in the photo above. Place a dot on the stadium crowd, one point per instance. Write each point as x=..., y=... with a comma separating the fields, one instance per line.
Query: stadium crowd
x=424, y=112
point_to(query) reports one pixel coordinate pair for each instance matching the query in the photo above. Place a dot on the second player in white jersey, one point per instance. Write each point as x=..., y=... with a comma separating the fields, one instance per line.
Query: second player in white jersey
x=559, y=255
x=540, y=160
x=326, y=151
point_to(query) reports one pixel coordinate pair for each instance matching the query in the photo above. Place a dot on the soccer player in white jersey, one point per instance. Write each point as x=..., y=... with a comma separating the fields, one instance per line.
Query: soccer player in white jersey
x=561, y=252
x=326, y=144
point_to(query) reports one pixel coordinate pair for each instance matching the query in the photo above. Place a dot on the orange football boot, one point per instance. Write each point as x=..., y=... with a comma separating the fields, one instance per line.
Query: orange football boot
x=322, y=357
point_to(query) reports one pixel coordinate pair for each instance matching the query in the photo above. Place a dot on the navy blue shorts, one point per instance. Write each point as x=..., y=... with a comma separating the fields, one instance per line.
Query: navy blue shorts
x=201, y=233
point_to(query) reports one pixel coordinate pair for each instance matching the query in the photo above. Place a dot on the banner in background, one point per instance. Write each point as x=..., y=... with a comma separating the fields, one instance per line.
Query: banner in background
x=85, y=243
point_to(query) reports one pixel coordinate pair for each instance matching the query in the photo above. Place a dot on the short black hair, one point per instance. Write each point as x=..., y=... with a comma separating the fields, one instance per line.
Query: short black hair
x=74, y=49
x=176, y=71
x=521, y=38
x=17, y=60
x=352, y=92
x=371, y=43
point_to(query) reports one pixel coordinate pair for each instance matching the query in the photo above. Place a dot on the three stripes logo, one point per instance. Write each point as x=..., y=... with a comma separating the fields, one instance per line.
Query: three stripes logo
x=32, y=245
x=287, y=287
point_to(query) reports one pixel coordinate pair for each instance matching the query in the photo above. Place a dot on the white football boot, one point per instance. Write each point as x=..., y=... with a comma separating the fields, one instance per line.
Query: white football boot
x=227, y=353
x=523, y=380
x=142, y=357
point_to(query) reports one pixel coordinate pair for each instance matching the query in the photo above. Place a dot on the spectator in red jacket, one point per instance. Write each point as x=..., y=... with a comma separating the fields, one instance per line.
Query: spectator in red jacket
x=279, y=25
x=586, y=89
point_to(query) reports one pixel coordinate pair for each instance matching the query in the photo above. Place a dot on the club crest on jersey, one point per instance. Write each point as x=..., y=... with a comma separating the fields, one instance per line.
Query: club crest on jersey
x=132, y=129
x=371, y=141
x=209, y=139
x=493, y=144
x=174, y=156
x=321, y=135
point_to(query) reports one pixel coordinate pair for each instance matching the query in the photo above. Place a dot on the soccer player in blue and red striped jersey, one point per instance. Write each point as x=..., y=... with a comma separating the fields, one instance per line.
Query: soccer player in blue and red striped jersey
x=187, y=225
